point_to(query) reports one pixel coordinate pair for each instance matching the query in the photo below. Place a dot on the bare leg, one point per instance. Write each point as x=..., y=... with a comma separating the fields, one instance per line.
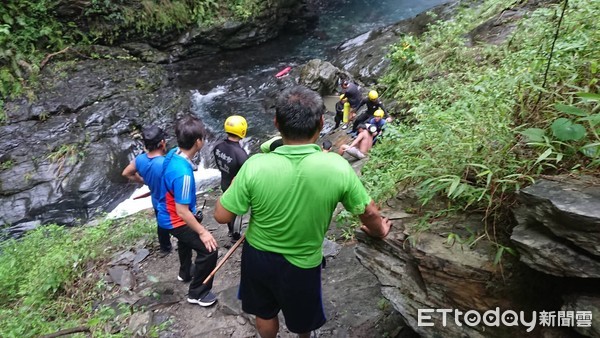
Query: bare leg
x=267, y=328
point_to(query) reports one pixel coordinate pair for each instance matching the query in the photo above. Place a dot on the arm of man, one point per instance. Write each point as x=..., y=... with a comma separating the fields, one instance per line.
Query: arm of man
x=130, y=172
x=223, y=215
x=206, y=237
x=374, y=224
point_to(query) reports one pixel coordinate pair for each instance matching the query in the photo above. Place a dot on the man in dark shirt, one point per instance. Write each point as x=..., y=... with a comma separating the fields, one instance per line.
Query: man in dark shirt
x=229, y=157
x=352, y=93
x=373, y=103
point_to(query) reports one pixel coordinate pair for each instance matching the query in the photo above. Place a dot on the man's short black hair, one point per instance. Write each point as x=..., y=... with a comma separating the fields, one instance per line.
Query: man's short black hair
x=299, y=113
x=189, y=129
x=152, y=136
x=362, y=125
x=327, y=145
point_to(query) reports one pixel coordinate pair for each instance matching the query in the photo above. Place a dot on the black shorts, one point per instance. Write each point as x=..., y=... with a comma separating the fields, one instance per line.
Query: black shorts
x=270, y=283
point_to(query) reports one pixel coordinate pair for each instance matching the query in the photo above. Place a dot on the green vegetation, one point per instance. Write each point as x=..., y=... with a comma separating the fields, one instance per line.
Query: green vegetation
x=68, y=154
x=488, y=117
x=6, y=165
x=347, y=223
x=116, y=18
x=27, y=31
x=31, y=30
x=50, y=278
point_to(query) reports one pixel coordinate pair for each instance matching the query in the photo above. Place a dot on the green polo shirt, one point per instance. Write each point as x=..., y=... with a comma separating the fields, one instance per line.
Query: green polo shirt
x=292, y=193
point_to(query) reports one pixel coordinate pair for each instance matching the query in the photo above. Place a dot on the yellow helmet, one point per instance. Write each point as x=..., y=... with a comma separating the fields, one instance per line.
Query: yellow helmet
x=373, y=95
x=343, y=97
x=236, y=125
x=378, y=113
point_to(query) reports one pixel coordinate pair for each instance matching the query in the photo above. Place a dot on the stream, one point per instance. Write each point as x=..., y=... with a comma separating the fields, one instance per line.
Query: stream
x=242, y=81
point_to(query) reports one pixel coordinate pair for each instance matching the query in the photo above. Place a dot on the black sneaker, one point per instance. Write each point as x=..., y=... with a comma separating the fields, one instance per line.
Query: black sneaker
x=235, y=236
x=208, y=300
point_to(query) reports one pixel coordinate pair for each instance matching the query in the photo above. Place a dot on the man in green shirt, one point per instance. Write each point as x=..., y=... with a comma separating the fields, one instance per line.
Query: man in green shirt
x=292, y=203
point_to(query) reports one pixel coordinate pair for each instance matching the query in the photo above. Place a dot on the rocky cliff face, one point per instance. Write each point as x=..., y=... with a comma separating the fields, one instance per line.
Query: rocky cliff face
x=65, y=144
x=558, y=234
x=65, y=148
x=176, y=44
x=427, y=273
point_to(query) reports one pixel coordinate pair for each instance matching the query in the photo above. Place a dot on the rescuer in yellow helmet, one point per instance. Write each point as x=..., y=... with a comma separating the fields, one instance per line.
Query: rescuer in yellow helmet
x=229, y=158
x=373, y=103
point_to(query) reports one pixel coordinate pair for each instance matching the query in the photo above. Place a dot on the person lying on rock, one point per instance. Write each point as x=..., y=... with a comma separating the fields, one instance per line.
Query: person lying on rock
x=360, y=146
x=292, y=203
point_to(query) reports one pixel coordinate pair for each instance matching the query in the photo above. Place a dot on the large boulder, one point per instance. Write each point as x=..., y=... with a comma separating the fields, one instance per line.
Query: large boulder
x=427, y=271
x=320, y=76
x=558, y=229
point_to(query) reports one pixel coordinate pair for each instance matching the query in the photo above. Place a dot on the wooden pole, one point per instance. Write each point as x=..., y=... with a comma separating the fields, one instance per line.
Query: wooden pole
x=225, y=258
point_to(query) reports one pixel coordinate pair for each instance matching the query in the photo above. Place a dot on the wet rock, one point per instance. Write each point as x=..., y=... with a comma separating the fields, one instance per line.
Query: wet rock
x=146, y=53
x=232, y=34
x=70, y=143
x=364, y=56
x=156, y=300
x=320, y=76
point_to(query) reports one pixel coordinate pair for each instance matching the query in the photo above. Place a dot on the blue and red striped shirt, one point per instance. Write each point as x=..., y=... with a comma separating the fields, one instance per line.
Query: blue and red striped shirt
x=178, y=186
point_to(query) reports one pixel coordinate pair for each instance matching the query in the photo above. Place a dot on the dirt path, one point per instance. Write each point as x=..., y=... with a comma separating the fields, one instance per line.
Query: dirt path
x=353, y=302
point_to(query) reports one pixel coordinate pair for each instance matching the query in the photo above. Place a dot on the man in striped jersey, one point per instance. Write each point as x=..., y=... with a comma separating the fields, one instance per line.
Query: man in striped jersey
x=176, y=209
